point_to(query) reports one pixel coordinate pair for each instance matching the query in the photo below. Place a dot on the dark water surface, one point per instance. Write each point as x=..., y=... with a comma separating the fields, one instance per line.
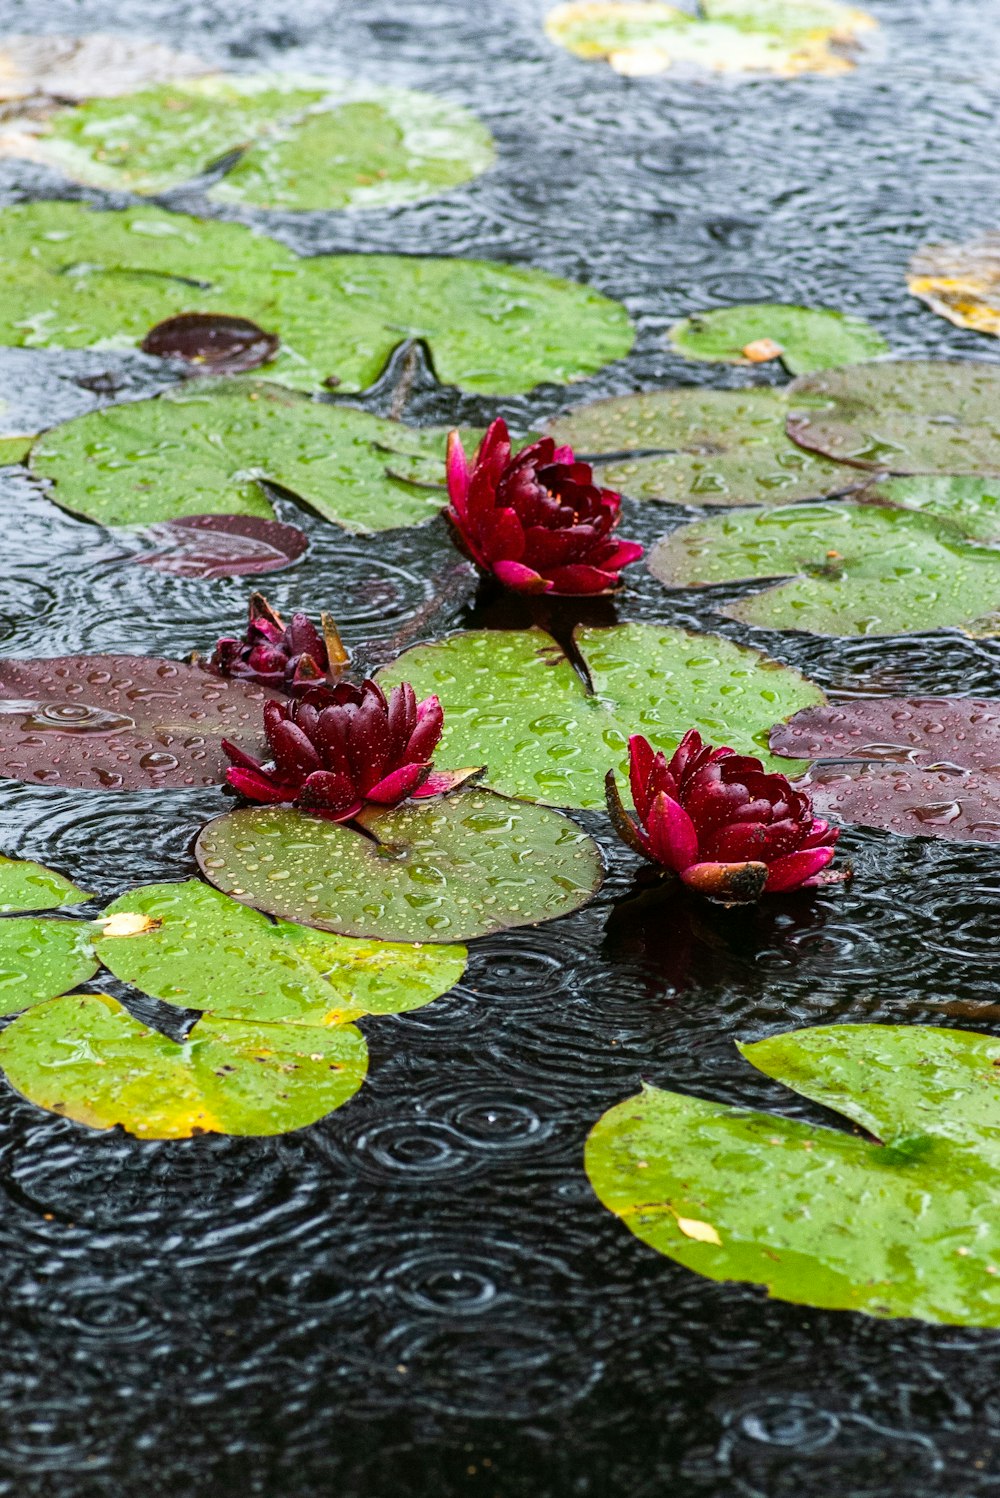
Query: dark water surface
x=421, y=1295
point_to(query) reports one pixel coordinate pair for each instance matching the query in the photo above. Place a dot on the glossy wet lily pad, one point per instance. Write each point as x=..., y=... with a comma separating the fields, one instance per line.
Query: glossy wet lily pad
x=514, y=702
x=960, y=282
x=969, y=501
x=849, y=569
x=86, y=1058
x=905, y=1224
x=202, y=950
x=96, y=65
x=700, y=447
x=73, y=277
x=443, y=870
x=122, y=722
x=25, y=885
x=42, y=958
x=918, y=416
x=803, y=338
x=210, y=546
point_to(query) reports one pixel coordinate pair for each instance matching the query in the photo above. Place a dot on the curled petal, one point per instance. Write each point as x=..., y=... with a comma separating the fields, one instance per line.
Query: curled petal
x=397, y=786
x=443, y=782
x=673, y=837
x=634, y=837
x=797, y=869
x=239, y=757
x=520, y=579
x=425, y=737
x=257, y=786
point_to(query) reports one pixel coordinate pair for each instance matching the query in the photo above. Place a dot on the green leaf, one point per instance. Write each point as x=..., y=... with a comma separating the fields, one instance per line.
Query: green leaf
x=858, y=569
x=72, y=277
x=712, y=447
x=308, y=144
x=14, y=450
x=903, y=1227
x=86, y=1058
x=513, y=702
x=440, y=870
x=39, y=959
x=970, y=502
x=31, y=886
x=809, y=337
x=205, y=951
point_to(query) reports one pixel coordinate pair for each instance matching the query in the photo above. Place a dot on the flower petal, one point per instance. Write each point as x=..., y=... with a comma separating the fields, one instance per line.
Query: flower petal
x=794, y=870
x=578, y=579
x=426, y=736
x=443, y=782
x=730, y=883
x=458, y=474
x=397, y=786
x=258, y=787
x=673, y=838
x=520, y=579
x=327, y=791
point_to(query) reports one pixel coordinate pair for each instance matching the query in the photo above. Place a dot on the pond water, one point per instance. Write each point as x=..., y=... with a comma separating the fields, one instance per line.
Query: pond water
x=421, y=1294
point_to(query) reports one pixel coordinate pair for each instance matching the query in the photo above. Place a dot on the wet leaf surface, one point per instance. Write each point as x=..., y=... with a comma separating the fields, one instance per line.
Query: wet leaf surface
x=210, y=546
x=42, y=958
x=209, y=952
x=807, y=338
x=969, y=501
x=960, y=282
x=122, y=723
x=852, y=569
x=86, y=1058
x=25, y=885
x=442, y=870
x=514, y=702
x=215, y=343
x=903, y=1226
x=87, y=67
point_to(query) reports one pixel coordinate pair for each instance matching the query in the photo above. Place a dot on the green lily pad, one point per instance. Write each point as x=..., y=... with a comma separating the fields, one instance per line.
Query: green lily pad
x=72, y=277
x=202, y=448
x=205, y=951
x=852, y=569
x=919, y=416
x=441, y=870
x=40, y=959
x=808, y=338
x=14, y=450
x=300, y=143
x=969, y=501
x=513, y=702
x=25, y=885
x=86, y=1058
x=700, y=447
x=905, y=1225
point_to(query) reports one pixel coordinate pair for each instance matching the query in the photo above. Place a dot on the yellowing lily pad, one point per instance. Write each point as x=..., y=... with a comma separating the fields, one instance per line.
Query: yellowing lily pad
x=804, y=338
x=904, y=1224
x=960, y=282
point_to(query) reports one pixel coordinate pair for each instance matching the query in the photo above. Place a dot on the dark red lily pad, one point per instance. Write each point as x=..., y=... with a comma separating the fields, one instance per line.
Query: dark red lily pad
x=212, y=341
x=211, y=546
x=122, y=723
x=921, y=767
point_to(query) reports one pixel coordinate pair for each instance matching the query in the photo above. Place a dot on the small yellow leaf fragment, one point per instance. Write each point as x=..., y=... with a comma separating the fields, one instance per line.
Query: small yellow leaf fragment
x=701, y=1232
x=129, y=923
x=762, y=350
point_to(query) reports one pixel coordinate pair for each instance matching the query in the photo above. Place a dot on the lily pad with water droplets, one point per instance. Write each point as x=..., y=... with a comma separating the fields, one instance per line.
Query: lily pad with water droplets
x=42, y=958
x=970, y=501
x=918, y=416
x=700, y=447
x=86, y=1058
x=210, y=546
x=806, y=338
x=25, y=885
x=122, y=722
x=961, y=282
x=849, y=569
x=514, y=702
x=442, y=870
x=905, y=1223
x=205, y=951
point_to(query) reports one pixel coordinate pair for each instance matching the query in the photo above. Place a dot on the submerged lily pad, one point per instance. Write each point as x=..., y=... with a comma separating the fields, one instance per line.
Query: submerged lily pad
x=923, y=767
x=700, y=447
x=960, y=282
x=852, y=569
x=25, y=885
x=905, y=1224
x=210, y=546
x=86, y=1058
x=513, y=701
x=87, y=67
x=74, y=277
x=805, y=338
x=202, y=950
x=441, y=870
x=122, y=722
x=920, y=416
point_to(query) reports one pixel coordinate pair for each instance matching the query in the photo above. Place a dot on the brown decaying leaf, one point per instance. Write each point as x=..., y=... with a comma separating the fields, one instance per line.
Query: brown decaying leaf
x=212, y=342
x=960, y=282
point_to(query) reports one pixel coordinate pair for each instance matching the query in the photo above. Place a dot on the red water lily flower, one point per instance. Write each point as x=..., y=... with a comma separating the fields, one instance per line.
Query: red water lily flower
x=290, y=657
x=716, y=818
x=536, y=521
x=337, y=749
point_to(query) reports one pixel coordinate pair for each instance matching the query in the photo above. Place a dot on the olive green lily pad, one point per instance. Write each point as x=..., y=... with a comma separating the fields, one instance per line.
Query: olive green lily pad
x=25, y=885
x=804, y=338
x=969, y=501
x=202, y=950
x=918, y=416
x=700, y=447
x=905, y=1224
x=851, y=569
x=513, y=702
x=40, y=959
x=86, y=1058
x=72, y=277
x=441, y=870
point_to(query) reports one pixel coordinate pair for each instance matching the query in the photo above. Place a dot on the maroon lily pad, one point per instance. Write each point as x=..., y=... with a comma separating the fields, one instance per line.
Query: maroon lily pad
x=122, y=723
x=920, y=767
x=213, y=341
x=209, y=546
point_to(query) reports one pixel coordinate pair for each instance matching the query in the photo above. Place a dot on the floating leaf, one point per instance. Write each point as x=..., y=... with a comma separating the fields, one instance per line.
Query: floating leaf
x=40, y=959
x=924, y=767
x=805, y=338
x=785, y=37
x=87, y=67
x=122, y=722
x=30, y=886
x=214, y=342
x=86, y=1058
x=440, y=870
x=853, y=569
x=712, y=447
x=960, y=282
x=969, y=501
x=513, y=701
x=14, y=450
x=915, y=417
x=211, y=546
x=73, y=277
x=297, y=143
x=904, y=1225
x=205, y=951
